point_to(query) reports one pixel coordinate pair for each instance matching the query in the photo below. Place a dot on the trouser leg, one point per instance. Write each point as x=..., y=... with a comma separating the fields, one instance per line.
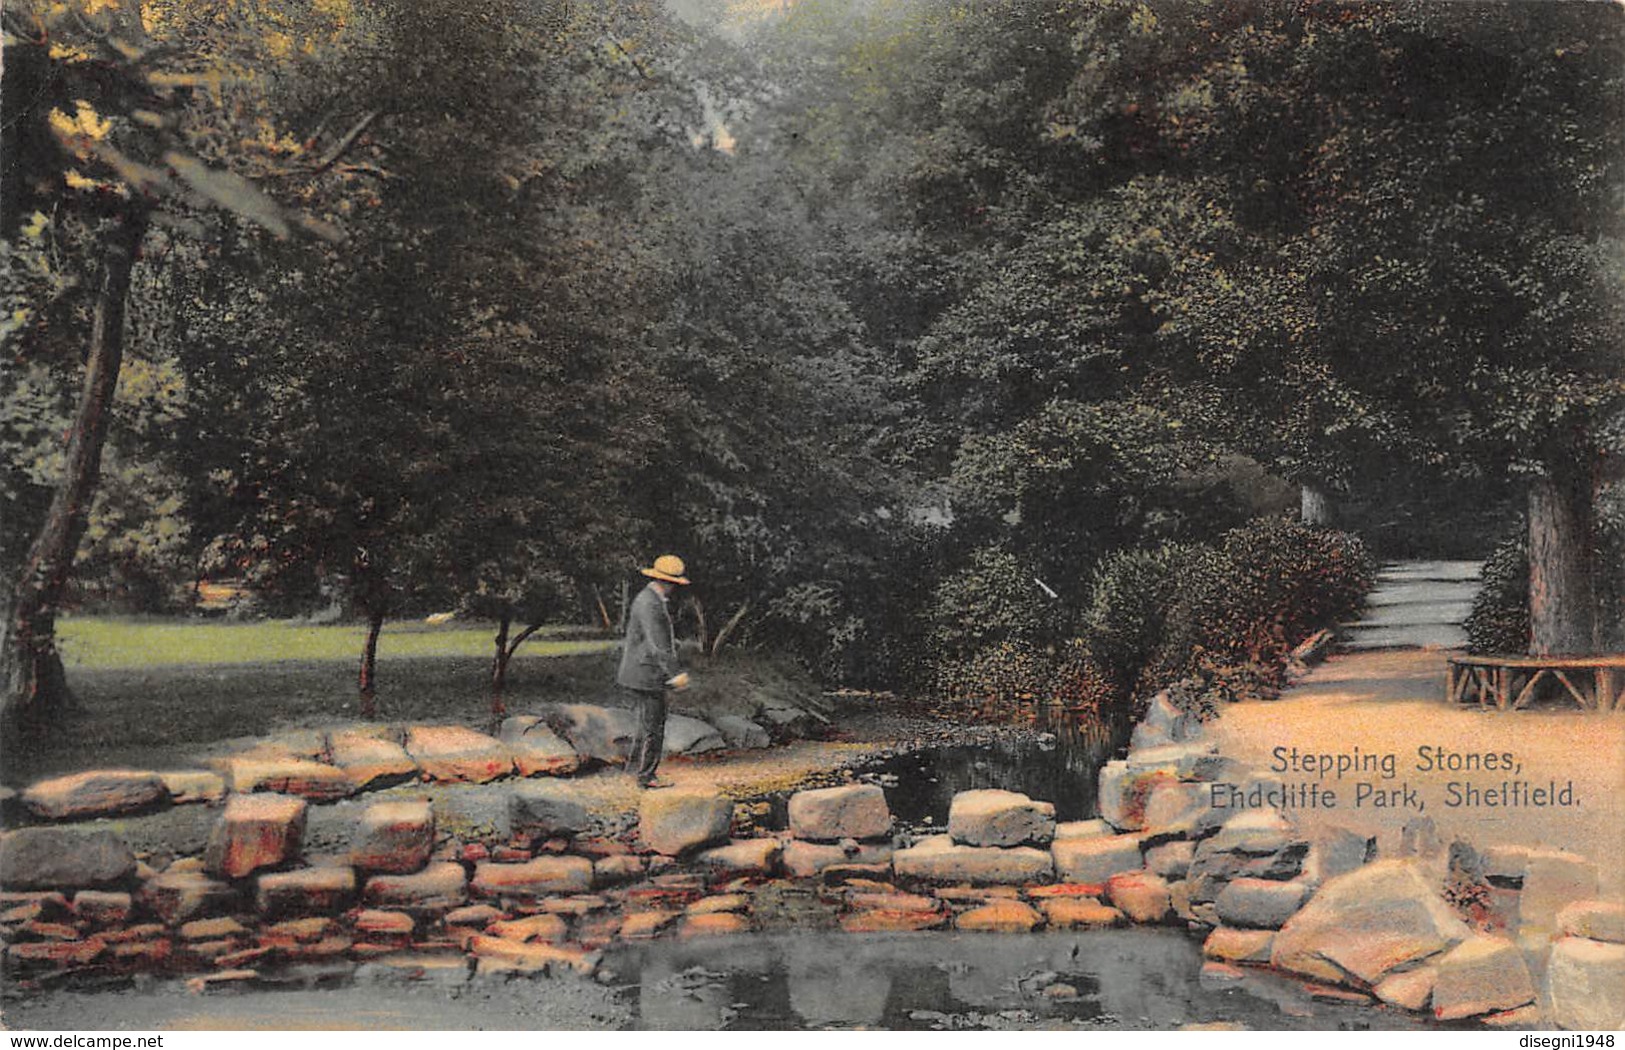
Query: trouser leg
x=647, y=746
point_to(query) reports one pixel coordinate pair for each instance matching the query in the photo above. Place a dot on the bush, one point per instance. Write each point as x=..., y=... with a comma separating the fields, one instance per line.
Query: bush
x=1129, y=600
x=1270, y=585
x=990, y=602
x=1499, y=619
x=999, y=678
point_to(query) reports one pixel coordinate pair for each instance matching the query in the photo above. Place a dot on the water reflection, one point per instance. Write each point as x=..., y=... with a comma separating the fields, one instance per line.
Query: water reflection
x=1108, y=978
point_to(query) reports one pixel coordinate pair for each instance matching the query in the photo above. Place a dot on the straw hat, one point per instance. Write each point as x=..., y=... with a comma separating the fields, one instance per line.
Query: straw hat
x=667, y=567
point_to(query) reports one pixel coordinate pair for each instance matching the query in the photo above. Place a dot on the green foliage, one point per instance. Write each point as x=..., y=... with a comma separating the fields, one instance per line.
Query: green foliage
x=1131, y=595
x=992, y=601
x=1499, y=619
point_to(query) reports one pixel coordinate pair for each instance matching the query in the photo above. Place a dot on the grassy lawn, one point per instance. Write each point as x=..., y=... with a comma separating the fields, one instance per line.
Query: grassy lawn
x=162, y=694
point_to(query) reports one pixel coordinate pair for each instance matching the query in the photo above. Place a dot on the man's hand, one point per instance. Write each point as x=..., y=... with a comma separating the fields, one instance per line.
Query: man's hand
x=678, y=681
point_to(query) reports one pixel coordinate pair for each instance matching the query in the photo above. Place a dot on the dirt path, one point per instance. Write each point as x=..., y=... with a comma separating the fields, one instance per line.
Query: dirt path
x=1391, y=703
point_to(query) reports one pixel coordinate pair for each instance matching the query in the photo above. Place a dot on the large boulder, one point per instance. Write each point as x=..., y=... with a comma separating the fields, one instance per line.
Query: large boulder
x=545, y=811
x=601, y=734
x=675, y=822
x=255, y=832
x=990, y=817
x=307, y=891
x=393, y=837
x=852, y=811
x=1177, y=807
x=1585, y=982
x=369, y=760
x=686, y=735
x=268, y=771
x=63, y=859
x=533, y=878
x=742, y=732
x=458, y=754
x=98, y=793
x=435, y=890
x=537, y=749
x=1095, y=859
x=939, y=859
x=1367, y=924
x=1481, y=975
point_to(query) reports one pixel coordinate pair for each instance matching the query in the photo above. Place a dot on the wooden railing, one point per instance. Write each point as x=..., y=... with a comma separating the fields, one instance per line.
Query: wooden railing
x=1596, y=683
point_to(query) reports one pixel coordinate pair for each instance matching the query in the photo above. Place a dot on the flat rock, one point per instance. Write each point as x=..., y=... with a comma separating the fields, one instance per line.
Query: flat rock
x=939, y=859
x=499, y=955
x=102, y=908
x=1598, y=920
x=674, y=822
x=1177, y=807
x=991, y=817
x=369, y=761
x=1003, y=916
x=97, y=793
x=305, y=891
x=1368, y=924
x=1481, y=975
x=742, y=857
x=187, y=786
x=1074, y=913
x=712, y=924
x=614, y=870
x=534, y=878
x=266, y=772
x=1227, y=944
x=1083, y=829
x=543, y=927
x=852, y=811
x=645, y=924
x=457, y=754
x=1094, y=860
x=255, y=832
x=686, y=735
x=219, y=928
x=742, y=733
x=537, y=749
x=546, y=811
x=726, y=902
x=601, y=734
x=1171, y=860
x=393, y=837
x=803, y=860
x=438, y=888
x=63, y=859
x=1140, y=895
x=1260, y=904
x=176, y=897
x=377, y=922
x=1585, y=981
x=879, y=920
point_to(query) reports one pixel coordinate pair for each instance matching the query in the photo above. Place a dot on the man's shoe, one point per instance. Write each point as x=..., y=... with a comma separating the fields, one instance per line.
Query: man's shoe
x=654, y=783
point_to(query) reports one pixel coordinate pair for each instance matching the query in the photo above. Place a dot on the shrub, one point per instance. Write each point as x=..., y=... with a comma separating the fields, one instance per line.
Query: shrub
x=1130, y=597
x=1001, y=677
x=1269, y=586
x=991, y=601
x=1499, y=619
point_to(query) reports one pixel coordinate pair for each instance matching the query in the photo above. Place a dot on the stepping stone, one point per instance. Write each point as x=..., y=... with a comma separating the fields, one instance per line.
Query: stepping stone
x=742, y=733
x=690, y=736
x=853, y=811
x=98, y=793
x=178, y=896
x=536, y=878
x=537, y=749
x=369, y=761
x=991, y=817
x=393, y=838
x=673, y=822
x=63, y=859
x=306, y=890
x=193, y=785
x=938, y=859
x=286, y=775
x=436, y=889
x=458, y=754
x=255, y=832
x=546, y=811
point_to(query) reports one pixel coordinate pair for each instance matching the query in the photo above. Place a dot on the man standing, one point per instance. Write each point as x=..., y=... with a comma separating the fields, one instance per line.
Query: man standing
x=649, y=665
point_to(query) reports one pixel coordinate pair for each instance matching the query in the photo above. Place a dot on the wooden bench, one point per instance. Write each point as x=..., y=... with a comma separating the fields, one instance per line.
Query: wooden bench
x=1597, y=683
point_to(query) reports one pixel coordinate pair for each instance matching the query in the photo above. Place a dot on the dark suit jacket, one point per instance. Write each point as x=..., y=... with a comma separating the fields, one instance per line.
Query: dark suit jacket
x=649, y=656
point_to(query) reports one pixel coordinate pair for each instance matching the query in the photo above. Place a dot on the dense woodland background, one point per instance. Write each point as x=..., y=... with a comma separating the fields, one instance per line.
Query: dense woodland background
x=953, y=345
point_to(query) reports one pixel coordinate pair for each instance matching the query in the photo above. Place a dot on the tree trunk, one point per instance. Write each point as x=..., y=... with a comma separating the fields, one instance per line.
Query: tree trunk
x=1562, y=605
x=369, y=666
x=1315, y=506
x=499, y=667
x=36, y=687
